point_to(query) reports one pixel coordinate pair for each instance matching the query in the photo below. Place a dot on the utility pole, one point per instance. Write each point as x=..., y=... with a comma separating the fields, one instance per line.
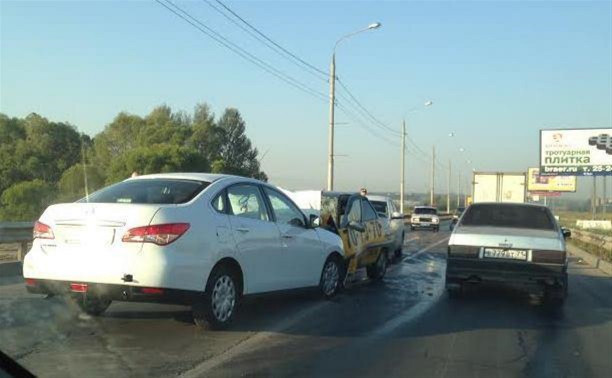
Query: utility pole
x=459, y=189
x=402, y=171
x=594, y=198
x=605, y=195
x=332, y=99
x=433, y=172
x=448, y=187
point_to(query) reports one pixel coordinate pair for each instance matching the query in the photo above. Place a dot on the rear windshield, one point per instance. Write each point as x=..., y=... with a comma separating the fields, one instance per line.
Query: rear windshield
x=425, y=210
x=149, y=191
x=515, y=216
x=380, y=207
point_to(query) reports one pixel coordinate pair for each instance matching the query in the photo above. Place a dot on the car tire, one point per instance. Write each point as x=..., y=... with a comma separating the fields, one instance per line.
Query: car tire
x=216, y=308
x=555, y=296
x=92, y=305
x=411, y=228
x=378, y=270
x=332, y=277
x=398, y=251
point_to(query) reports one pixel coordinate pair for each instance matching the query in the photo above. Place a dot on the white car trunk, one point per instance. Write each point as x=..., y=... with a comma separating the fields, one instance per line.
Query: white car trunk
x=507, y=237
x=87, y=243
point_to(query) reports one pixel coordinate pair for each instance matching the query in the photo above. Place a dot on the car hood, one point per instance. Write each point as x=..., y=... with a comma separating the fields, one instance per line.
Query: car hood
x=507, y=237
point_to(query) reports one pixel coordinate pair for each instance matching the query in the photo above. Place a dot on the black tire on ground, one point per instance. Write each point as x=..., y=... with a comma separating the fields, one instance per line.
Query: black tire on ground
x=216, y=308
x=332, y=277
x=555, y=295
x=378, y=270
x=92, y=305
x=398, y=251
x=411, y=228
x=436, y=229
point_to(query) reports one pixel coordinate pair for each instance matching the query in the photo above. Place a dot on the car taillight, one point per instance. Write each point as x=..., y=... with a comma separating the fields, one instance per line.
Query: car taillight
x=463, y=251
x=548, y=257
x=42, y=231
x=160, y=234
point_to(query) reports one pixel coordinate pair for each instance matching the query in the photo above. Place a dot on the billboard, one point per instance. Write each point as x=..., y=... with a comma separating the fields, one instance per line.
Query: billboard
x=539, y=183
x=576, y=152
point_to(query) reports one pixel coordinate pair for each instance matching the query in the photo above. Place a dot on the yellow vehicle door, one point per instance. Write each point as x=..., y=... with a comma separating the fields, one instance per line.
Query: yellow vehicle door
x=374, y=239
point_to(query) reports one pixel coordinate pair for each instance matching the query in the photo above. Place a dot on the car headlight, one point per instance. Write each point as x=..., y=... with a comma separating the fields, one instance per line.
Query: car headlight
x=436, y=220
x=414, y=219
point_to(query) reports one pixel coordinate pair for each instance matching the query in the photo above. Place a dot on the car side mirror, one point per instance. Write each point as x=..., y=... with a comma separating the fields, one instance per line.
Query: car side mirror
x=314, y=221
x=397, y=215
x=567, y=233
x=354, y=225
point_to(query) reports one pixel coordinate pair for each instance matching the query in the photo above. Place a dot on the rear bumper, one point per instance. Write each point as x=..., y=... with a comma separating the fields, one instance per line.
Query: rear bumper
x=115, y=292
x=459, y=270
x=425, y=225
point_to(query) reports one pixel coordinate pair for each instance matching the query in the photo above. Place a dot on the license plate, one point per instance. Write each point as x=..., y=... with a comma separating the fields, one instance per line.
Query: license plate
x=510, y=254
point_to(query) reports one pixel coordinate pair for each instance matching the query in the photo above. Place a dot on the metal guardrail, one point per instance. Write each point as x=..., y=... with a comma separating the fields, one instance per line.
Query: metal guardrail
x=17, y=232
x=602, y=241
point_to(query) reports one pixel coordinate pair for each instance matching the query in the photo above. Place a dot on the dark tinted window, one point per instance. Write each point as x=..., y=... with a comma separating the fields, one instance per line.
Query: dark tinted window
x=368, y=211
x=515, y=216
x=380, y=207
x=425, y=210
x=149, y=191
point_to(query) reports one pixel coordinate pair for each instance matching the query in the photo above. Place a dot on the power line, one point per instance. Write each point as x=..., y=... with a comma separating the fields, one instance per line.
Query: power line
x=270, y=40
x=209, y=32
x=364, y=125
x=366, y=111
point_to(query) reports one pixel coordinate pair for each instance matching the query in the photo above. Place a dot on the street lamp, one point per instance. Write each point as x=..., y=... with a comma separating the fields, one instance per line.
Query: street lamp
x=332, y=98
x=403, y=154
x=433, y=168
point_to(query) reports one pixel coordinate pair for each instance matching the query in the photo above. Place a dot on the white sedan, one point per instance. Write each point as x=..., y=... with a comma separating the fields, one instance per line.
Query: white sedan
x=190, y=238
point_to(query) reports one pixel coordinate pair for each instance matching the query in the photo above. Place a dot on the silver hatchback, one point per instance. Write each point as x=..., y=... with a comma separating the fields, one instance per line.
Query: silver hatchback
x=514, y=244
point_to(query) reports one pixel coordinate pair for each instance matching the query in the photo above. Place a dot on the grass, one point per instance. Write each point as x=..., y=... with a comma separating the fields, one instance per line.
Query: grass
x=592, y=249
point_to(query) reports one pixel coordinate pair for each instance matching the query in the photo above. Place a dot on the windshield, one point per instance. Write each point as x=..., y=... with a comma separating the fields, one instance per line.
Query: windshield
x=513, y=216
x=380, y=207
x=148, y=191
x=425, y=210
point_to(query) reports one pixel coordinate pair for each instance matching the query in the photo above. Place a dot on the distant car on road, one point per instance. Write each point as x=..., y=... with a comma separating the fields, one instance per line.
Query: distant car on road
x=456, y=215
x=514, y=244
x=191, y=238
x=425, y=217
x=385, y=208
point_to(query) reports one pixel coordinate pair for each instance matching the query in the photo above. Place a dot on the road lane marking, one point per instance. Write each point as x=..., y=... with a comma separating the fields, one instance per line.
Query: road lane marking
x=427, y=248
x=250, y=343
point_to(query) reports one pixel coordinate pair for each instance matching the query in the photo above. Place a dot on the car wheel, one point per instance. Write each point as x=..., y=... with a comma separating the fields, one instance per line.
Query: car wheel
x=377, y=270
x=398, y=251
x=93, y=305
x=331, y=277
x=217, y=307
x=411, y=228
x=555, y=296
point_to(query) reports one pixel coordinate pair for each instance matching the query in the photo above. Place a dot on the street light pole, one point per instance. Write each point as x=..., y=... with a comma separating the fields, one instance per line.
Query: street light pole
x=332, y=103
x=433, y=173
x=402, y=170
x=448, y=188
x=332, y=99
x=459, y=189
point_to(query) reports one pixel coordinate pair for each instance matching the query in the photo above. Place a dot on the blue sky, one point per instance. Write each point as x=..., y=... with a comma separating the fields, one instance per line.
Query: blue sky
x=496, y=71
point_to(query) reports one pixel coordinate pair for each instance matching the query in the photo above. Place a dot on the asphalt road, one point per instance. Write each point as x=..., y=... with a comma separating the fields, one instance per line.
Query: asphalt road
x=403, y=326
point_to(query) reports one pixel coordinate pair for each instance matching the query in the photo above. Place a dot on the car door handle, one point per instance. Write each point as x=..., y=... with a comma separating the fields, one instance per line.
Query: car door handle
x=287, y=236
x=243, y=229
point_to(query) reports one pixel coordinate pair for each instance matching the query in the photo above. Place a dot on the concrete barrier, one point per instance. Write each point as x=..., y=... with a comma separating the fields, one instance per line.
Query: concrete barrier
x=593, y=260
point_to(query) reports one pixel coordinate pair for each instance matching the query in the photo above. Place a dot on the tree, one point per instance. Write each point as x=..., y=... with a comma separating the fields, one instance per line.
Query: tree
x=156, y=159
x=25, y=201
x=72, y=184
x=238, y=155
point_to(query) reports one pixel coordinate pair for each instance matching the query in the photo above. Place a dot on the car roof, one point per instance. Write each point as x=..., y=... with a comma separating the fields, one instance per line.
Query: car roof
x=510, y=204
x=199, y=176
x=378, y=198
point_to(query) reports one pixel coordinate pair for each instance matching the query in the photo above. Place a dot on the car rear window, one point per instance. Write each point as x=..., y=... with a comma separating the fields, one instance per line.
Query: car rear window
x=380, y=207
x=425, y=210
x=149, y=191
x=514, y=216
